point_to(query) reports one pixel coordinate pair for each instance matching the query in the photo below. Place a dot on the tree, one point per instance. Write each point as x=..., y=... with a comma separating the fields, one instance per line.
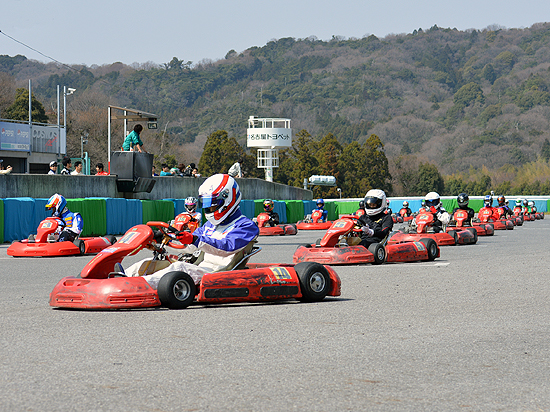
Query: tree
x=327, y=157
x=7, y=90
x=429, y=179
x=19, y=110
x=351, y=165
x=545, y=150
x=219, y=153
x=376, y=164
x=305, y=163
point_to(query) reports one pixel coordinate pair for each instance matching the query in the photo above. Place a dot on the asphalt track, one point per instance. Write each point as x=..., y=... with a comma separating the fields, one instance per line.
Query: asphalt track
x=468, y=332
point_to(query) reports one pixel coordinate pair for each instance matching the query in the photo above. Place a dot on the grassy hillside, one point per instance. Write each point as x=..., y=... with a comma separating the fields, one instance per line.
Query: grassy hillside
x=459, y=100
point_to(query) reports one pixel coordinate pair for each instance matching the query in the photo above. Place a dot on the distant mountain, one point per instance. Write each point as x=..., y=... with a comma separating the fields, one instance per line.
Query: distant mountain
x=454, y=98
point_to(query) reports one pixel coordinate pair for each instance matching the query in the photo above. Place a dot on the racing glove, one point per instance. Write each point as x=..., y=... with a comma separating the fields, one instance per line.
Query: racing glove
x=185, y=237
x=367, y=230
x=433, y=209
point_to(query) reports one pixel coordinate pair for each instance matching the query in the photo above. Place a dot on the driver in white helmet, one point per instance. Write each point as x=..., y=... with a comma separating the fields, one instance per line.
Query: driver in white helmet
x=191, y=209
x=433, y=205
x=226, y=232
x=376, y=223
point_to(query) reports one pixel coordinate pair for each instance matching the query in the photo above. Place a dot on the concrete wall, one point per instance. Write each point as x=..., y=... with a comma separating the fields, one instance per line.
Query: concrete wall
x=43, y=186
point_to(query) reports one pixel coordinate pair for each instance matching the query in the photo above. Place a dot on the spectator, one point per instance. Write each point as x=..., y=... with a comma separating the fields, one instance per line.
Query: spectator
x=5, y=171
x=195, y=173
x=53, y=168
x=175, y=171
x=235, y=170
x=181, y=168
x=154, y=171
x=133, y=142
x=99, y=170
x=165, y=170
x=67, y=164
x=188, y=171
x=77, y=168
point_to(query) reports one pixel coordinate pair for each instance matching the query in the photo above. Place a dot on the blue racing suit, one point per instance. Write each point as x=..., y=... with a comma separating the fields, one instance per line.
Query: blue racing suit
x=73, y=226
x=219, y=243
x=325, y=213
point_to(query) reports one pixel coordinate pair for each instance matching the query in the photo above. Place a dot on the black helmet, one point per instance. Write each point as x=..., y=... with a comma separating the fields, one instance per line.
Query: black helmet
x=361, y=204
x=462, y=200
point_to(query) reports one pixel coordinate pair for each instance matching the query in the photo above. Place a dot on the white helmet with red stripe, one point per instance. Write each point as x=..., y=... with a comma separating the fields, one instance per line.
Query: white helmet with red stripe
x=219, y=197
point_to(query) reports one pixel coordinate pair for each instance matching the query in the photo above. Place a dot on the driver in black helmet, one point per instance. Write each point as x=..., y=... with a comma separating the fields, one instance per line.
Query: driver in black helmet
x=463, y=200
x=376, y=223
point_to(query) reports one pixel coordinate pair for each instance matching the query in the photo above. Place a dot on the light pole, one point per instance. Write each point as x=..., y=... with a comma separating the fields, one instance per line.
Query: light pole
x=339, y=191
x=83, y=141
x=66, y=92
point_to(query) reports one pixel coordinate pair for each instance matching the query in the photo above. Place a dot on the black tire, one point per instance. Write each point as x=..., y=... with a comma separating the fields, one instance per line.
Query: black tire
x=111, y=239
x=318, y=242
x=379, y=253
x=454, y=235
x=314, y=281
x=308, y=245
x=431, y=247
x=81, y=246
x=176, y=290
x=473, y=231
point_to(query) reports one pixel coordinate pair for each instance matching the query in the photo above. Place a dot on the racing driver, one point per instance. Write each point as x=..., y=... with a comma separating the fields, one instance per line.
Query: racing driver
x=226, y=232
x=376, y=223
x=73, y=223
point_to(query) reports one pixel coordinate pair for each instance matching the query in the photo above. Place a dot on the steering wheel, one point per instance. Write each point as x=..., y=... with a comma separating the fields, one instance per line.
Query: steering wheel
x=168, y=234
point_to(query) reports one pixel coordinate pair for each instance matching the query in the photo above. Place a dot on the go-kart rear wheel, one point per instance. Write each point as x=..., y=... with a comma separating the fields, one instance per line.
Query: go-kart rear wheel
x=454, y=236
x=111, y=239
x=379, y=253
x=81, y=246
x=473, y=231
x=176, y=290
x=314, y=281
x=431, y=247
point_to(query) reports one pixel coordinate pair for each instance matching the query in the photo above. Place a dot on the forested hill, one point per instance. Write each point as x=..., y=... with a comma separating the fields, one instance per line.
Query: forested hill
x=458, y=99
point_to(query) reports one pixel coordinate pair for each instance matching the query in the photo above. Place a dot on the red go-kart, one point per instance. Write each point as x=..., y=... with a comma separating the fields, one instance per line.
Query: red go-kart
x=489, y=215
x=313, y=222
x=403, y=213
x=262, y=220
x=516, y=220
x=422, y=227
x=184, y=221
x=459, y=220
x=340, y=246
x=50, y=228
x=98, y=288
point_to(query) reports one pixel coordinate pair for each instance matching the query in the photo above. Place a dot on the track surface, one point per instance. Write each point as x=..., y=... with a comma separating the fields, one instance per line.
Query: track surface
x=468, y=332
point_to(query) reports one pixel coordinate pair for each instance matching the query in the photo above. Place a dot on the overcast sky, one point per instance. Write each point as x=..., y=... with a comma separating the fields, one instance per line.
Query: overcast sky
x=102, y=32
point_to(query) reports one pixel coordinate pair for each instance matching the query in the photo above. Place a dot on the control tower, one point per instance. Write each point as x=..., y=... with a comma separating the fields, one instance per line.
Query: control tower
x=268, y=135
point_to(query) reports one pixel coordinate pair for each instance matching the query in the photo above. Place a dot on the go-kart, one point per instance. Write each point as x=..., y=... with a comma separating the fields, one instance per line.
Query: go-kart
x=489, y=215
x=403, y=213
x=397, y=218
x=262, y=220
x=45, y=242
x=459, y=220
x=184, y=221
x=340, y=246
x=313, y=222
x=99, y=288
x=423, y=227
x=516, y=220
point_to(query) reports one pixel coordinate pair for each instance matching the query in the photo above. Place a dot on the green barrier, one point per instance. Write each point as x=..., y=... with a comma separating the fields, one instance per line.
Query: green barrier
x=449, y=204
x=476, y=204
x=294, y=210
x=258, y=206
x=94, y=215
x=330, y=207
x=1, y=221
x=346, y=208
x=157, y=211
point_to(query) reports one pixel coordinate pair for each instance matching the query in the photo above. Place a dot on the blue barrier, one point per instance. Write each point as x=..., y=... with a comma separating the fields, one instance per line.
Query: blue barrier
x=19, y=218
x=248, y=208
x=280, y=208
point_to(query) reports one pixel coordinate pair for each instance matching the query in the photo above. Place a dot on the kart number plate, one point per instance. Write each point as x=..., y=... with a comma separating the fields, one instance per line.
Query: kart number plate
x=127, y=238
x=420, y=246
x=281, y=273
x=339, y=224
x=46, y=225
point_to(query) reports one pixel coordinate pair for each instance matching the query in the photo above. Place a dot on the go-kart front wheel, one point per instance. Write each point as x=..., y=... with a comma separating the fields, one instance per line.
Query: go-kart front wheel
x=431, y=247
x=379, y=253
x=176, y=290
x=314, y=281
